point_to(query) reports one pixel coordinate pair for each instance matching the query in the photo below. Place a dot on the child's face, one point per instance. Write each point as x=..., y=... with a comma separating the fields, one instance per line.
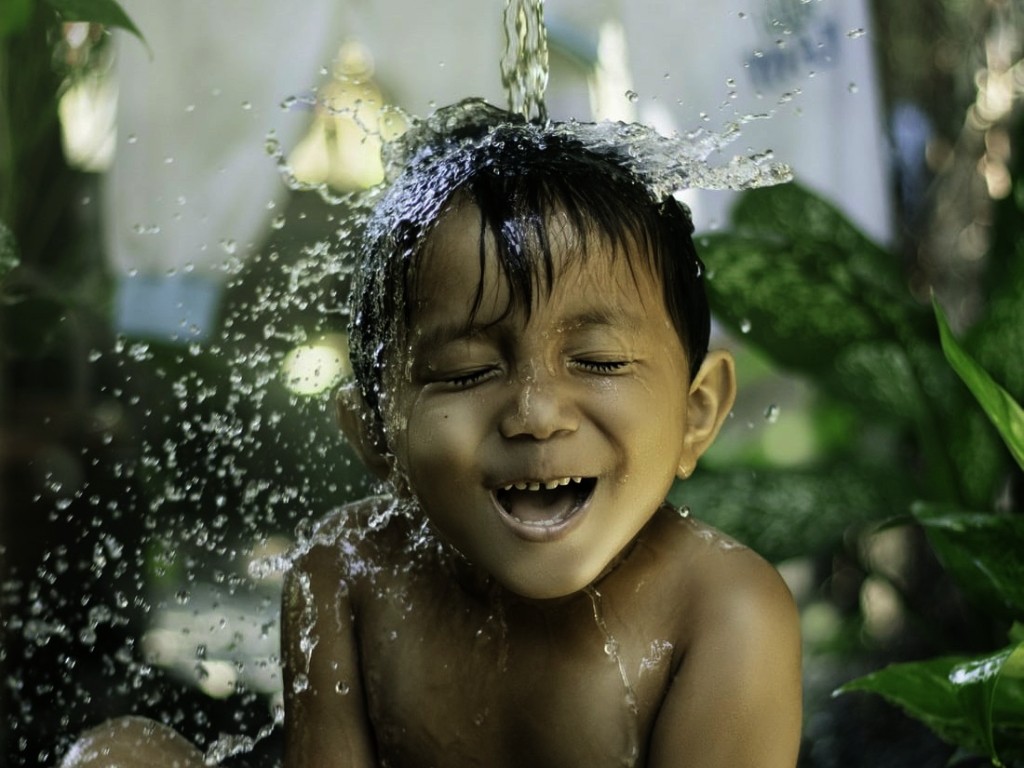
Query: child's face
x=585, y=401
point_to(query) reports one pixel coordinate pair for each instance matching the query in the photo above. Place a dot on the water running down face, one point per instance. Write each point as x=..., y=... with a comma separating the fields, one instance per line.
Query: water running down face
x=539, y=443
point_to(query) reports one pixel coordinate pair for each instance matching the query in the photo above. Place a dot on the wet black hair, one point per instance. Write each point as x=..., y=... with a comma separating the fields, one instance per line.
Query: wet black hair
x=516, y=173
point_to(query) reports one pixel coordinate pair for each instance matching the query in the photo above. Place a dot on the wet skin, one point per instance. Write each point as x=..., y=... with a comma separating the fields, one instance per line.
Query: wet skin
x=572, y=620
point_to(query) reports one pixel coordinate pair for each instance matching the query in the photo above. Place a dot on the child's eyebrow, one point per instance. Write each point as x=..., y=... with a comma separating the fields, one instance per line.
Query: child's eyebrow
x=445, y=333
x=617, y=317
x=599, y=317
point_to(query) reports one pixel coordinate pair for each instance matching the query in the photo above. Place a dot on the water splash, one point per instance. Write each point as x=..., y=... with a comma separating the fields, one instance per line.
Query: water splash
x=228, y=745
x=612, y=650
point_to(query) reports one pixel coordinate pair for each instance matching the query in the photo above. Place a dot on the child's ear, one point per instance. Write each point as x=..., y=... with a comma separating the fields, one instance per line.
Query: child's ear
x=358, y=425
x=712, y=393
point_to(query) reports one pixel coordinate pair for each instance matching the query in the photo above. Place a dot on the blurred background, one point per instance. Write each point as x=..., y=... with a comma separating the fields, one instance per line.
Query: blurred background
x=173, y=231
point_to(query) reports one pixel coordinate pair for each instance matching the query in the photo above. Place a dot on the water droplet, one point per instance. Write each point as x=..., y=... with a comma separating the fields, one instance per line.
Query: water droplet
x=132, y=138
x=229, y=246
x=745, y=325
x=247, y=105
x=632, y=96
x=853, y=34
x=853, y=88
x=771, y=413
x=342, y=688
x=684, y=511
x=277, y=222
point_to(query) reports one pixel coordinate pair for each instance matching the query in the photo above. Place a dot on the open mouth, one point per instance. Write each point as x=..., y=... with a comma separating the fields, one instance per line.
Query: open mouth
x=543, y=506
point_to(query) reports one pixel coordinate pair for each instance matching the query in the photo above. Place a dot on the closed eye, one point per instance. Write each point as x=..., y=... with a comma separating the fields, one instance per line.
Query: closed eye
x=600, y=366
x=468, y=378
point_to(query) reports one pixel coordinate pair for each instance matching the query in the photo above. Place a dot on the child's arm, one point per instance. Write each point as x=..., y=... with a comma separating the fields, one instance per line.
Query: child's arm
x=737, y=699
x=326, y=724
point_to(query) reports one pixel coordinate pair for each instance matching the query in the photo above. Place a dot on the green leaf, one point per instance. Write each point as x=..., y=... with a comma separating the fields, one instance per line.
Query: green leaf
x=805, y=286
x=797, y=215
x=1004, y=412
x=973, y=702
x=14, y=16
x=983, y=552
x=789, y=298
x=106, y=12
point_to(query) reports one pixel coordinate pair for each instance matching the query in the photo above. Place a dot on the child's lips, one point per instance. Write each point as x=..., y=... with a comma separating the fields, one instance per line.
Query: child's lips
x=543, y=510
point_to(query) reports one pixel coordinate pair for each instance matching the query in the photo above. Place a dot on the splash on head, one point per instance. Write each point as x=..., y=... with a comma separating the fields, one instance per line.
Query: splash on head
x=611, y=180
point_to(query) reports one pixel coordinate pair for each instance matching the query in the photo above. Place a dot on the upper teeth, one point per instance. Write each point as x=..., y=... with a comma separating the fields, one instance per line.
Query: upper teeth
x=536, y=485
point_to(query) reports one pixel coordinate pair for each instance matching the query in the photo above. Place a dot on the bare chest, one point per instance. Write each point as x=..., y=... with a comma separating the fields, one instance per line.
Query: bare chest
x=453, y=682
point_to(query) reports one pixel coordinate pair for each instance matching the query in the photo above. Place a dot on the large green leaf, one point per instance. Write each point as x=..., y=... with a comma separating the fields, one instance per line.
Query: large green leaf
x=1005, y=413
x=791, y=298
x=106, y=12
x=848, y=259
x=973, y=702
x=805, y=286
x=984, y=552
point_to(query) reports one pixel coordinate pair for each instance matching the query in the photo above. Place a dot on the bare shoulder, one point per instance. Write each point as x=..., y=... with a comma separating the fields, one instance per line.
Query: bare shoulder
x=736, y=582
x=325, y=721
x=345, y=546
x=722, y=579
x=736, y=697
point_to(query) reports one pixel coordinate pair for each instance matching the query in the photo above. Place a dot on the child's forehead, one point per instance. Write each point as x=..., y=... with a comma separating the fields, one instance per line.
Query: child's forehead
x=454, y=281
x=569, y=239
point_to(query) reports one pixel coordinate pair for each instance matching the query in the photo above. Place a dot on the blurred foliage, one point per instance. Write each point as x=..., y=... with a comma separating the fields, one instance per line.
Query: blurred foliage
x=978, y=702
x=48, y=262
x=806, y=288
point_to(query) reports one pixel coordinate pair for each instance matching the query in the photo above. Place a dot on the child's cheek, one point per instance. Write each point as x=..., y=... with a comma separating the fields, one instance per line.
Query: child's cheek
x=438, y=435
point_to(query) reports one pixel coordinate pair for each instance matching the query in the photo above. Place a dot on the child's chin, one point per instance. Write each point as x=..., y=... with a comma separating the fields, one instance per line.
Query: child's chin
x=551, y=587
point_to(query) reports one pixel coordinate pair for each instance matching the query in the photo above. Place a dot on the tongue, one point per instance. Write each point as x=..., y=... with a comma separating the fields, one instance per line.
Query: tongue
x=541, y=506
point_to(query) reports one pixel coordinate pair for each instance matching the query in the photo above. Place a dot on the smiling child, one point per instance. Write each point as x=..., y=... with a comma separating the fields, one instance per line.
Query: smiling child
x=529, y=338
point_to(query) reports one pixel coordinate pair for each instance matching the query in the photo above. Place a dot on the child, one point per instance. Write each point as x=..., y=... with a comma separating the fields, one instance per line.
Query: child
x=528, y=336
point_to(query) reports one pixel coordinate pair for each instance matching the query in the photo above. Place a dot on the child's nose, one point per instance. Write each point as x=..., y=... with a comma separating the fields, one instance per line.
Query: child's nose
x=539, y=408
